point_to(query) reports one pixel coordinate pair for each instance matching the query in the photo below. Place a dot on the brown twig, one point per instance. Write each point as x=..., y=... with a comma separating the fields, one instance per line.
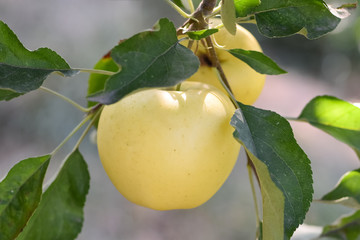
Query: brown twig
x=217, y=64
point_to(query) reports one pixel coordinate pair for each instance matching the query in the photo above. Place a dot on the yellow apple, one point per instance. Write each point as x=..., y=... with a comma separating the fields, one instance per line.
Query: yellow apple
x=168, y=149
x=245, y=82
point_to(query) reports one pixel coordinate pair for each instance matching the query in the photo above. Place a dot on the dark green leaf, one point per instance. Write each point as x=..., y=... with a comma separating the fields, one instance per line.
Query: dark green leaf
x=22, y=70
x=149, y=59
x=178, y=2
x=97, y=81
x=245, y=7
x=336, y=117
x=345, y=228
x=20, y=194
x=282, y=167
x=258, y=61
x=198, y=35
x=278, y=18
x=228, y=16
x=347, y=191
x=60, y=212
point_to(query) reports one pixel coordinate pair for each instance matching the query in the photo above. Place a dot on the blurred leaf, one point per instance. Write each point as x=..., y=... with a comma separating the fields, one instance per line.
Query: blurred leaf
x=347, y=191
x=153, y=58
x=22, y=70
x=198, y=35
x=8, y=94
x=245, y=7
x=97, y=81
x=258, y=61
x=60, y=212
x=20, y=194
x=282, y=167
x=228, y=16
x=336, y=117
x=345, y=228
x=278, y=18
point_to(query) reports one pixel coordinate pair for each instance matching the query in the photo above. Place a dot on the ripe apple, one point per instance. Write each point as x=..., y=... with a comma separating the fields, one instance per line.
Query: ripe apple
x=168, y=149
x=245, y=82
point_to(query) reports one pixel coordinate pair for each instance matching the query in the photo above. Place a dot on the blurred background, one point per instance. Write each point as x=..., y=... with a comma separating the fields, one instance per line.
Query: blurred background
x=82, y=31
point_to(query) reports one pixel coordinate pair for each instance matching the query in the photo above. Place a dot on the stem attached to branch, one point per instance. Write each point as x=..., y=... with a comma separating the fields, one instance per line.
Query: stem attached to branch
x=95, y=116
x=215, y=59
x=206, y=7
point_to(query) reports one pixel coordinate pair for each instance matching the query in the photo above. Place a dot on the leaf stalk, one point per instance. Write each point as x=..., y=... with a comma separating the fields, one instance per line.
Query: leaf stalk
x=77, y=128
x=78, y=106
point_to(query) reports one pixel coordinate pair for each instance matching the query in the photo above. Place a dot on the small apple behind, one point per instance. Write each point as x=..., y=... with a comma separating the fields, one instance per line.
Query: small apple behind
x=245, y=82
x=166, y=149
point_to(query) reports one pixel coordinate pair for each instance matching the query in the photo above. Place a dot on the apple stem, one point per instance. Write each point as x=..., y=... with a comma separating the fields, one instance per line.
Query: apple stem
x=94, y=116
x=178, y=87
x=198, y=22
x=215, y=60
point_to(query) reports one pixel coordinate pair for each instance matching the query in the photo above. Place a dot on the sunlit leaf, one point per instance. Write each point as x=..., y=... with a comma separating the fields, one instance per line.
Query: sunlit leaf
x=245, y=7
x=347, y=191
x=228, y=16
x=336, y=117
x=20, y=193
x=345, y=228
x=258, y=61
x=198, y=35
x=22, y=70
x=148, y=59
x=60, y=212
x=97, y=81
x=282, y=167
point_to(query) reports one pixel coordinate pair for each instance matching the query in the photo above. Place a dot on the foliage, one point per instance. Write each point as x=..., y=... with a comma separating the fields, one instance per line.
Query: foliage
x=155, y=58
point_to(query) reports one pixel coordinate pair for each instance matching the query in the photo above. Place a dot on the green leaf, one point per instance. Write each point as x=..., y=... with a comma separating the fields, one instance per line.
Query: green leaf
x=178, y=2
x=228, y=16
x=22, y=70
x=198, y=35
x=258, y=61
x=278, y=18
x=347, y=191
x=8, y=94
x=153, y=58
x=60, y=212
x=345, y=228
x=282, y=167
x=97, y=81
x=336, y=117
x=245, y=7
x=20, y=194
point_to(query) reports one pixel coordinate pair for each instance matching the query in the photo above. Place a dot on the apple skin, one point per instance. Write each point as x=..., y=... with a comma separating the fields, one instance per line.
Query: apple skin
x=245, y=82
x=166, y=149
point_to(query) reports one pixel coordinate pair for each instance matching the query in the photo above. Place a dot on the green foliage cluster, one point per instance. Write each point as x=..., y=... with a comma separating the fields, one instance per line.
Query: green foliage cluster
x=155, y=58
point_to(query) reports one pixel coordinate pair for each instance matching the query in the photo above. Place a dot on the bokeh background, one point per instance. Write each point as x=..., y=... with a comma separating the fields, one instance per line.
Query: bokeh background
x=82, y=31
